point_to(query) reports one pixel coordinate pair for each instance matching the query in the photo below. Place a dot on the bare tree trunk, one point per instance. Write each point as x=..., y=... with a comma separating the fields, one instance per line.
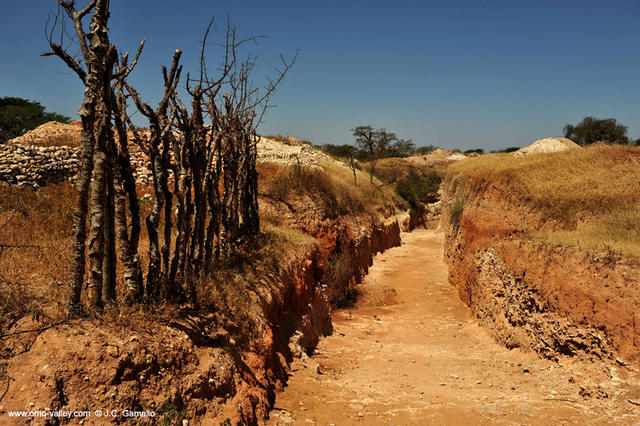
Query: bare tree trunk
x=94, y=69
x=168, y=207
x=96, y=227
x=125, y=189
x=153, y=273
x=128, y=254
x=79, y=235
x=109, y=260
x=98, y=206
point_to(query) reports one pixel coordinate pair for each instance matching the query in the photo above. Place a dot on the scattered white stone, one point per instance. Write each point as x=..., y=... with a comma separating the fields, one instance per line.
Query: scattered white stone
x=456, y=157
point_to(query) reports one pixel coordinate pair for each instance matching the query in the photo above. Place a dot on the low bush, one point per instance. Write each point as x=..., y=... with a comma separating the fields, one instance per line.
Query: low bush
x=418, y=189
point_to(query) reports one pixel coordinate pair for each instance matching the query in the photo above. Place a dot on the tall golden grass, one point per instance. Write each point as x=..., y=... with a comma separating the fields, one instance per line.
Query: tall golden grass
x=333, y=187
x=594, y=192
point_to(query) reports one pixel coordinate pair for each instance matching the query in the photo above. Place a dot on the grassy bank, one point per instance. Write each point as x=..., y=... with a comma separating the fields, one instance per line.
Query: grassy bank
x=35, y=235
x=592, y=193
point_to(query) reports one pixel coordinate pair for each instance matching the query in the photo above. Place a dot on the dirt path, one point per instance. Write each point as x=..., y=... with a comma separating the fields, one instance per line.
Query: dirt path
x=410, y=353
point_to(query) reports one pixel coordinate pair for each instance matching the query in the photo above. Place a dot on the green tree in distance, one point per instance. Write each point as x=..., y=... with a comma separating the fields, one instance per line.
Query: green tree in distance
x=402, y=148
x=426, y=149
x=592, y=129
x=376, y=144
x=18, y=116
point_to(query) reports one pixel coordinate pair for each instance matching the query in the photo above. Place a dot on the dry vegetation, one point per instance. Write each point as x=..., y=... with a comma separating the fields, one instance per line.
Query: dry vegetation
x=37, y=227
x=332, y=187
x=593, y=193
x=34, y=257
x=394, y=169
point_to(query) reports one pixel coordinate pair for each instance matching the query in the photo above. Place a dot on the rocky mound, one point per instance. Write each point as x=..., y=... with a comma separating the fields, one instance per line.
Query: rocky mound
x=456, y=157
x=288, y=151
x=50, y=153
x=51, y=134
x=35, y=166
x=438, y=156
x=273, y=151
x=546, y=145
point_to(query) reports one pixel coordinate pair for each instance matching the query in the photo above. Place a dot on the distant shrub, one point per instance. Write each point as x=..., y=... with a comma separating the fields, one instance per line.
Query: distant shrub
x=455, y=213
x=418, y=189
x=426, y=149
x=340, y=151
x=17, y=116
x=591, y=130
x=478, y=151
x=509, y=149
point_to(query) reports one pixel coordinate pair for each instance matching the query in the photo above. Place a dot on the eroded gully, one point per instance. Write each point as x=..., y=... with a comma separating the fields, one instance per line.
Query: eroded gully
x=410, y=352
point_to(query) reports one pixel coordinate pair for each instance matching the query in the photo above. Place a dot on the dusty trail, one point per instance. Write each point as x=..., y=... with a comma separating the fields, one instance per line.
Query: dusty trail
x=410, y=353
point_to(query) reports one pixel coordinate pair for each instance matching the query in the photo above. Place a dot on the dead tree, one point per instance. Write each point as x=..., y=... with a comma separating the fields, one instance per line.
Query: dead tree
x=95, y=180
x=209, y=148
x=125, y=190
x=158, y=147
x=209, y=151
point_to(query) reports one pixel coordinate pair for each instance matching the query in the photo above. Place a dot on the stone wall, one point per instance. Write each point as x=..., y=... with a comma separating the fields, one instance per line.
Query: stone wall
x=34, y=166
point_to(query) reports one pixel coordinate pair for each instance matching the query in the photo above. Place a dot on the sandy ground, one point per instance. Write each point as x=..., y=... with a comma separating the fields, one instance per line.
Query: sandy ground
x=410, y=353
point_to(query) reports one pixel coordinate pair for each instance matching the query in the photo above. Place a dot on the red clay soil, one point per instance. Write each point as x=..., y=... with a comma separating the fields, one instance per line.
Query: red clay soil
x=411, y=353
x=200, y=367
x=555, y=300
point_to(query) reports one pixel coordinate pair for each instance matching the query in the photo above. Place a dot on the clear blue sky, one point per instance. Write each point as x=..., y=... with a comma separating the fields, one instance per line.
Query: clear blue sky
x=457, y=74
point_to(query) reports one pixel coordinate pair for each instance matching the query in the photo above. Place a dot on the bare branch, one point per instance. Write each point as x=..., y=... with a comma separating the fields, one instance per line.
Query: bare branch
x=57, y=50
x=125, y=71
x=203, y=65
x=76, y=17
x=273, y=85
x=87, y=9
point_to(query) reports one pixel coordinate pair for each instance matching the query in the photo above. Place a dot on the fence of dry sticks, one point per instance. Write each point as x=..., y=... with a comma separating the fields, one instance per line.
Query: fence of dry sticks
x=202, y=154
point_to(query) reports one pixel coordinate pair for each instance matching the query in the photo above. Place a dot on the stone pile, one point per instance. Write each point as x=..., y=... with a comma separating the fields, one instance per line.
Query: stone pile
x=36, y=166
x=142, y=169
x=546, y=145
x=24, y=162
x=273, y=151
x=51, y=134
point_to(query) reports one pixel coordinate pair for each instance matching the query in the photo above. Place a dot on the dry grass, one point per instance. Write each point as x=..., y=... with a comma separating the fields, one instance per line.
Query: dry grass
x=593, y=192
x=34, y=270
x=394, y=169
x=618, y=232
x=376, y=197
x=34, y=276
x=231, y=290
x=289, y=140
x=38, y=224
x=332, y=187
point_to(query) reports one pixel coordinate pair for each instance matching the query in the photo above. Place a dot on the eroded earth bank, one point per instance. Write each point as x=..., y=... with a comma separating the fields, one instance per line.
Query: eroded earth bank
x=410, y=352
